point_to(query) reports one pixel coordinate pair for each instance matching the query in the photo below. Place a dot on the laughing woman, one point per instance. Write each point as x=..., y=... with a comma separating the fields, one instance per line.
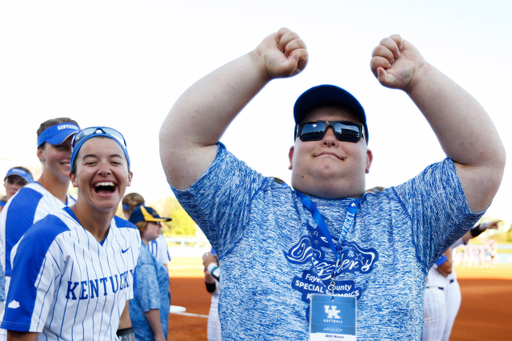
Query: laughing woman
x=73, y=271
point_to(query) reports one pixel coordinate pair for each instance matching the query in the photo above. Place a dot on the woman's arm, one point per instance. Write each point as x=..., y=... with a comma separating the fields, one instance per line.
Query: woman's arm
x=153, y=318
x=21, y=336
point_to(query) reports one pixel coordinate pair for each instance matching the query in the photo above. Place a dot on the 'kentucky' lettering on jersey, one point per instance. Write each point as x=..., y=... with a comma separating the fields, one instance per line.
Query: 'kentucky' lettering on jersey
x=317, y=279
x=93, y=288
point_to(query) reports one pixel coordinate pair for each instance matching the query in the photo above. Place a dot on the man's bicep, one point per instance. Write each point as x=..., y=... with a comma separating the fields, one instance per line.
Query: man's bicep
x=184, y=167
x=480, y=185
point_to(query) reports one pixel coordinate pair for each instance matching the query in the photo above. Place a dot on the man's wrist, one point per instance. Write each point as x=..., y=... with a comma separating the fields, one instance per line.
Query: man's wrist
x=476, y=231
x=211, y=267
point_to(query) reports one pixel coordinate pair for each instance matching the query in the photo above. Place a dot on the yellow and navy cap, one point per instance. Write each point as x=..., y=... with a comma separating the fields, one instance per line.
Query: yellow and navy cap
x=144, y=213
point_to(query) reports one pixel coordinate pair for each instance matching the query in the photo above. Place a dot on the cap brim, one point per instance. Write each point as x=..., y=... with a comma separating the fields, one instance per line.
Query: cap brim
x=60, y=137
x=153, y=219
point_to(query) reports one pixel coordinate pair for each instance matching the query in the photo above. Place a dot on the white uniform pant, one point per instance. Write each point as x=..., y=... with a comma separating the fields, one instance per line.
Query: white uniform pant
x=3, y=332
x=453, y=299
x=213, y=331
x=435, y=314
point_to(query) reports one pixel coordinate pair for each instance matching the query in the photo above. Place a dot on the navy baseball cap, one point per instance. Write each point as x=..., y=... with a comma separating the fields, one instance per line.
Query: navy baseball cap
x=57, y=134
x=144, y=213
x=327, y=94
x=20, y=172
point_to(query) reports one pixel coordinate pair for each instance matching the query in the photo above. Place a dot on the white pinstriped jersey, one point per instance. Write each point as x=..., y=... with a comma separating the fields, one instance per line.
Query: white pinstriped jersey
x=67, y=286
x=31, y=204
x=159, y=249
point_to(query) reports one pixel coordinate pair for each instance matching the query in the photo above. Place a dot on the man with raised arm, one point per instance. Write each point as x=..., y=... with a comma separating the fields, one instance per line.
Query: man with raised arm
x=280, y=245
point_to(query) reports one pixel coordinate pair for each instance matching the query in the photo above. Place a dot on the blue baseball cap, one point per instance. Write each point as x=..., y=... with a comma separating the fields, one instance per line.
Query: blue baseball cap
x=20, y=172
x=144, y=213
x=85, y=134
x=327, y=94
x=57, y=134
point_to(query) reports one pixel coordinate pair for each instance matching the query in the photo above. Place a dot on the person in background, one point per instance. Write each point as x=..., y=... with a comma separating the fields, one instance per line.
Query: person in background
x=74, y=270
x=210, y=261
x=16, y=178
x=37, y=199
x=149, y=309
x=442, y=290
x=158, y=247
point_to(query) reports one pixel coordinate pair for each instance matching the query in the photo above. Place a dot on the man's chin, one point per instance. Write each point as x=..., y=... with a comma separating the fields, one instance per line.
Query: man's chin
x=327, y=186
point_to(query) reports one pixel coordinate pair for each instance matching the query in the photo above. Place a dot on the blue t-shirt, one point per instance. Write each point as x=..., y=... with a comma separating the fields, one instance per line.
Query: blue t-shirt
x=274, y=256
x=152, y=293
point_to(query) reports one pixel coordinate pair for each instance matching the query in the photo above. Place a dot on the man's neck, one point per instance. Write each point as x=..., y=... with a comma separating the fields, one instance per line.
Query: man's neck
x=327, y=191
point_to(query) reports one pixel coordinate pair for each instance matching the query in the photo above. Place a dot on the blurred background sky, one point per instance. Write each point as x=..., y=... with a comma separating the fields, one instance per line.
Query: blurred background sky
x=124, y=63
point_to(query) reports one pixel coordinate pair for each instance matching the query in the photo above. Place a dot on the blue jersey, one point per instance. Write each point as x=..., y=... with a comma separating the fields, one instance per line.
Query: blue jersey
x=68, y=286
x=152, y=293
x=273, y=255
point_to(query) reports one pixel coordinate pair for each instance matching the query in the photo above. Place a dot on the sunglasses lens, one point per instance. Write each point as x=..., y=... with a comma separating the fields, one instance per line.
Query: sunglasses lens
x=81, y=134
x=347, y=132
x=102, y=130
x=312, y=131
x=115, y=134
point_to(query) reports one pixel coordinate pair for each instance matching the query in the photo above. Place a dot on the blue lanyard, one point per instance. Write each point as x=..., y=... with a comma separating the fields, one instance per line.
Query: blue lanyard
x=319, y=220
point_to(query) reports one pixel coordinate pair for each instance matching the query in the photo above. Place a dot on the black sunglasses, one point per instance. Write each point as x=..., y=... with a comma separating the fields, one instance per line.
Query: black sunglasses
x=11, y=180
x=345, y=131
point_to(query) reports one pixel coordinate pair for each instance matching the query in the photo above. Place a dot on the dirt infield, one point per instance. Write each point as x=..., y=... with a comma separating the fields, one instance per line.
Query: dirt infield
x=485, y=312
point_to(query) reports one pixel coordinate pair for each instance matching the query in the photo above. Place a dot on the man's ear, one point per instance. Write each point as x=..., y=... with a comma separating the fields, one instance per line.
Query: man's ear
x=290, y=157
x=369, y=159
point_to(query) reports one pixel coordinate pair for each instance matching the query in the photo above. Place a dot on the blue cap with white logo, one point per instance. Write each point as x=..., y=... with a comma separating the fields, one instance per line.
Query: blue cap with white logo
x=19, y=172
x=57, y=134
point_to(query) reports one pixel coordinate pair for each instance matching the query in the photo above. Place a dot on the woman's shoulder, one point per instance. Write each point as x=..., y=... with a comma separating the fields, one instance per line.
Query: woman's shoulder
x=123, y=223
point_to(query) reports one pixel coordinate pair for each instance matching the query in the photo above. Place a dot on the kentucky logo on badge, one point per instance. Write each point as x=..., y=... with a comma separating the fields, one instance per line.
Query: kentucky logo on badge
x=332, y=318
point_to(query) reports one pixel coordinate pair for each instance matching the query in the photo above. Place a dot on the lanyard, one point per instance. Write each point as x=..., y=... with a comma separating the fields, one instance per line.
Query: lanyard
x=319, y=220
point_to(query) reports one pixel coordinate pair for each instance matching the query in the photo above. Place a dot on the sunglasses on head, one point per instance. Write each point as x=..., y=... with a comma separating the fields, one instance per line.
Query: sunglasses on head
x=345, y=131
x=101, y=131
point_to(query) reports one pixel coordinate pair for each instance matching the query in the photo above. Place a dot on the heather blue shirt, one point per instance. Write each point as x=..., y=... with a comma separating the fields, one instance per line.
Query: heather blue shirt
x=152, y=293
x=273, y=256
